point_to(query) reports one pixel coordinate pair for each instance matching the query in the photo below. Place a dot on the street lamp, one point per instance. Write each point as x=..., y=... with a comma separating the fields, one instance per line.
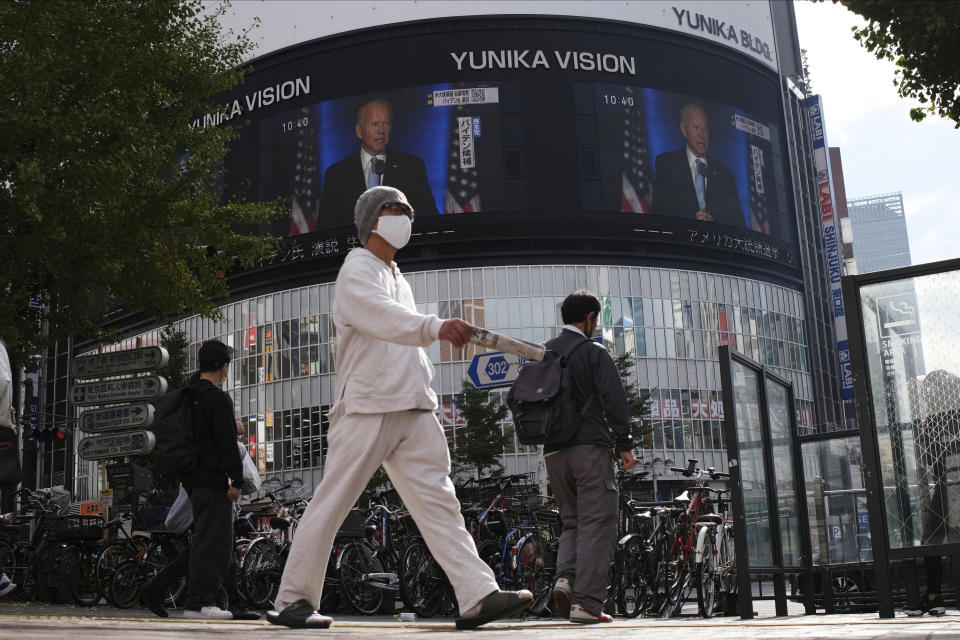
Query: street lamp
x=657, y=469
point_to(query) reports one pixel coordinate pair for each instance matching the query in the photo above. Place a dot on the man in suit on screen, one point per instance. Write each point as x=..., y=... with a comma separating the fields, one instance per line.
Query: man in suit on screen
x=689, y=183
x=372, y=166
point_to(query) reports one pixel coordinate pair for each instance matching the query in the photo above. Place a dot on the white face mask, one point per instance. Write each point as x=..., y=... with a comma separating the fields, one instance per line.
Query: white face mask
x=395, y=230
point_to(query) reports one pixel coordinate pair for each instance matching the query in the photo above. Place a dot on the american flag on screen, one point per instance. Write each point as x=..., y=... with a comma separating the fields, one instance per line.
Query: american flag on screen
x=306, y=202
x=637, y=172
x=463, y=195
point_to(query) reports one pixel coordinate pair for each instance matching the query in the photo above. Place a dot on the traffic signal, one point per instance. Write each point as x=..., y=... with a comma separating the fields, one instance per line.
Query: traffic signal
x=49, y=434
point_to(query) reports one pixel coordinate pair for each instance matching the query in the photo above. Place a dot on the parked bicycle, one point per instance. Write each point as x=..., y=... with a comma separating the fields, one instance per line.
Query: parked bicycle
x=262, y=559
x=368, y=567
x=688, y=542
x=130, y=575
x=633, y=570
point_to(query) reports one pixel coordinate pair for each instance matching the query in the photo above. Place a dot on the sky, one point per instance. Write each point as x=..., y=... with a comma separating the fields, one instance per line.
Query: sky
x=883, y=150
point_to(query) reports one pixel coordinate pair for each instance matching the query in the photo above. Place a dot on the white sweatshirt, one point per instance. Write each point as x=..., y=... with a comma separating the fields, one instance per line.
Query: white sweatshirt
x=6, y=388
x=381, y=365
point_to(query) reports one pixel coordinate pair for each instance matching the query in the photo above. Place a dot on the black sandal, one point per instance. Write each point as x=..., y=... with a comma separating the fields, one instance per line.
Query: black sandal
x=300, y=615
x=499, y=604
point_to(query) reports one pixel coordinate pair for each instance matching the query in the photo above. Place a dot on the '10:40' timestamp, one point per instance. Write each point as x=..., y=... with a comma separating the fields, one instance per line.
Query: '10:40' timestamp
x=625, y=101
x=290, y=125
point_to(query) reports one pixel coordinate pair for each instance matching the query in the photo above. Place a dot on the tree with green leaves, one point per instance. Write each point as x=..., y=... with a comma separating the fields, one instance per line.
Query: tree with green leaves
x=639, y=427
x=379, y=481
x=175, y=342
x=479, y=444
x=923, y=40
x=108, y=194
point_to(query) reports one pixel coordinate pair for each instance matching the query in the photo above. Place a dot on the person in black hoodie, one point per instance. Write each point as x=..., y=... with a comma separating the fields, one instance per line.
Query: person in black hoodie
x=213, y=485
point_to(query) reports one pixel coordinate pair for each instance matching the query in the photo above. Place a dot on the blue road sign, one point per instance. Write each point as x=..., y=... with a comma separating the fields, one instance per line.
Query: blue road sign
x=494, y=369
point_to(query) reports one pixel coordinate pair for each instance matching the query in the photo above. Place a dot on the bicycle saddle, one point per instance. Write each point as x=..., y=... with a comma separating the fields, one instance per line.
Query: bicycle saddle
x=710, y=518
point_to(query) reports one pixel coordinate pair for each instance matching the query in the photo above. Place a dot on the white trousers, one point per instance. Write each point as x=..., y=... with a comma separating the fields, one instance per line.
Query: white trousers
x=412, y=448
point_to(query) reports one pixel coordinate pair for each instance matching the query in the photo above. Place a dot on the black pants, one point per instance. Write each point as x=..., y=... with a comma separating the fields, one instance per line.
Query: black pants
x=212, y=546
x=180, y=567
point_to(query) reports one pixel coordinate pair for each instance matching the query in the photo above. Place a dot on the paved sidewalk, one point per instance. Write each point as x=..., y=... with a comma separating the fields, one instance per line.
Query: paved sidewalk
x=38, y=621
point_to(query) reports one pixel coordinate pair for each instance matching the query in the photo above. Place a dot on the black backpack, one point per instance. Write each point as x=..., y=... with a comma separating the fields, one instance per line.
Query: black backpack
x=176, y=448
x=541, y=400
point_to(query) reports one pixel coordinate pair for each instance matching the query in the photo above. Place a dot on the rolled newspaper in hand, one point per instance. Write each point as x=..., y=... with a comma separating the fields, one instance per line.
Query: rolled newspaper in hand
x=500, y=342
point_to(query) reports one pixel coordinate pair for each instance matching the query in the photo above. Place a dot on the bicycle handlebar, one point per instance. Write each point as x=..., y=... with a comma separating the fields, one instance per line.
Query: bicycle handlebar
x=710, y=473
x=719, y=492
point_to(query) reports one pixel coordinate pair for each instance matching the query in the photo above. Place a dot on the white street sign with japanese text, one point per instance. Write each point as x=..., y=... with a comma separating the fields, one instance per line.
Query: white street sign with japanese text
x=116, y=362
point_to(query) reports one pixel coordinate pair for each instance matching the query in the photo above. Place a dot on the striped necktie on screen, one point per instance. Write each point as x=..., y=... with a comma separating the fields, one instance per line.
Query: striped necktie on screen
x=700, y=184
x=373, y=180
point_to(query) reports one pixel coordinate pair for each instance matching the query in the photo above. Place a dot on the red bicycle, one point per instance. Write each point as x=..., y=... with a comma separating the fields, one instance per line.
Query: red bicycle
x=681, y=557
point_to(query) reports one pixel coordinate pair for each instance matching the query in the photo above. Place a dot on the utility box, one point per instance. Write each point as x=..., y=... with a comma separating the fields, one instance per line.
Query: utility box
x=129, y=483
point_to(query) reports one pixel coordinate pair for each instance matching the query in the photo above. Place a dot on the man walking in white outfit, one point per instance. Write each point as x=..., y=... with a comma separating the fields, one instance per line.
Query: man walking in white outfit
x=383, y=415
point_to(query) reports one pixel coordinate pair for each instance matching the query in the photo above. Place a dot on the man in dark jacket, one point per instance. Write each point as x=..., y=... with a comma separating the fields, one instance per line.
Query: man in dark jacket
x=213, y=485
x=690, y=183
x=581, y=470
x=374, y=165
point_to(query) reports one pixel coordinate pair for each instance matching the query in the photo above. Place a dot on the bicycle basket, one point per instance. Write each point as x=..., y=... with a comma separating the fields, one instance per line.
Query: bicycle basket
x=517, y=514
x=77, y=528
x=353, y=526
x=403, y=526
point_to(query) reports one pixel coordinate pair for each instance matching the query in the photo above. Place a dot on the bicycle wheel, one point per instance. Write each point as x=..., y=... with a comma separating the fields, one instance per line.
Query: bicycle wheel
x=489, y=551
x=357, y=560
x=422, y=582
x=727, y=571
x=44, y=567
x=681, y=579
x=125, y=587
x=158, y=556
x=79, y=569
x=633, y=590
x=260, y=572
x=706, y=578
x=674, y=561
x=530, y=565
x=107, y=560
x=330, y=599
x=8, y=560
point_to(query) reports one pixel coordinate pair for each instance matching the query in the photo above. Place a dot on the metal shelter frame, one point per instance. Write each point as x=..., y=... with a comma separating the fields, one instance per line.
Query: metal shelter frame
x=737, y=431
x=864, y=386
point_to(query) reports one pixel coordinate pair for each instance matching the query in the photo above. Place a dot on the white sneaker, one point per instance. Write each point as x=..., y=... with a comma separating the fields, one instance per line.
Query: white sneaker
x=581, y=615
x=207, y=613
x=6, y=586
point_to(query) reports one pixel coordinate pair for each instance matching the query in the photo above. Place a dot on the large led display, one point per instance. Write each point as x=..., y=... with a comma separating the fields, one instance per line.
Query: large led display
x=512, y=122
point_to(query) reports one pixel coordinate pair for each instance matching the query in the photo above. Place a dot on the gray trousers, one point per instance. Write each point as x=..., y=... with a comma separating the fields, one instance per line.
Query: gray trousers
x=412, y=448
x=586, y=491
